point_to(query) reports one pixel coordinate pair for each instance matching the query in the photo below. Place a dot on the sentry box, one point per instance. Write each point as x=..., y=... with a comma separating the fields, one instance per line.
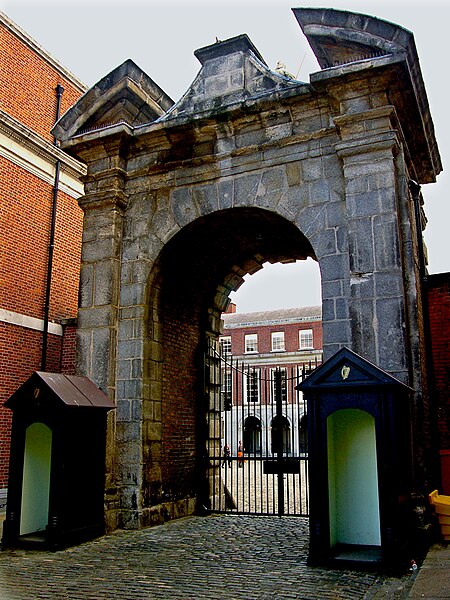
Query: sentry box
x=57, y=462
x=359, y=463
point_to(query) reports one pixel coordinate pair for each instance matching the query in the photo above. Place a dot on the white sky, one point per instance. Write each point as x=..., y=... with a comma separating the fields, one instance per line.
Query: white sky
x=91, y=38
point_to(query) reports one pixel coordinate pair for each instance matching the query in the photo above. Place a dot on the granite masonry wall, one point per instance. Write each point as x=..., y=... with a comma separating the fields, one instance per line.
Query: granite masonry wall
x=249, y=166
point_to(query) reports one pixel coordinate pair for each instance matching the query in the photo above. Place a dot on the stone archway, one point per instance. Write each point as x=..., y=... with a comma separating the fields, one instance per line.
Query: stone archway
x=189, y=288
x=182, y=200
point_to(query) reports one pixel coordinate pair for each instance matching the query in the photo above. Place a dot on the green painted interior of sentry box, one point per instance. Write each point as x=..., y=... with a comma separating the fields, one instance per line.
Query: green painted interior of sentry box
x=36, y=479
x=353, y=478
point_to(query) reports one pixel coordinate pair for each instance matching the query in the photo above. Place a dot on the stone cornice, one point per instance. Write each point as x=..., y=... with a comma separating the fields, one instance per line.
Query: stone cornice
x=35, y=47
x=38, y=145
x=369, y=143
x=271, y=322
x=357, y=67
x=256, y=102
x=28, y=322
x=374, y=113
x=282, y=358
x=172, y=123
x=96, y=136
x=114, y=199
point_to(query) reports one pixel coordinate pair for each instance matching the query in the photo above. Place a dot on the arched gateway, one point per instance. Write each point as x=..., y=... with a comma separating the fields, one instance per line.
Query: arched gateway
x=182, y=200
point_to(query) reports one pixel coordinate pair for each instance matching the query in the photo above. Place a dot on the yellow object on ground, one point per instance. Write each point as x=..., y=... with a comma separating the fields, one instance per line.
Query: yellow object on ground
x=441, y=505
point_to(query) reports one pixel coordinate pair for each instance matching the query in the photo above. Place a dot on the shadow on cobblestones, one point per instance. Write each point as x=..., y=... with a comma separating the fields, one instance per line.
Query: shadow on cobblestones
x=217, y=557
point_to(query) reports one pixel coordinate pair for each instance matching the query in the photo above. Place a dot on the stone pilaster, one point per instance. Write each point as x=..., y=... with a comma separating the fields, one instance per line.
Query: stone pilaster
x=103, y=205
x=377, y=297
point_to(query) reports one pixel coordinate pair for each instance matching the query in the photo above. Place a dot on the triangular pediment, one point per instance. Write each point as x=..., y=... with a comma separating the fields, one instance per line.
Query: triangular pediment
x=347, y=369
x=232, y=72
x=126, y=95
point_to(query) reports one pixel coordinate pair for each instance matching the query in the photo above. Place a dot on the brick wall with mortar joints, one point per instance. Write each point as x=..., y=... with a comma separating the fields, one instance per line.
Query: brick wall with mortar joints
x=66, y=258
x=28, y=86
x=68, y=350
x=25, y=208
x=180, y=315
x=179, y=410
x=28, y=83
x=264, y=332
x=439, y=311
x=25, y=222
x=20, y=356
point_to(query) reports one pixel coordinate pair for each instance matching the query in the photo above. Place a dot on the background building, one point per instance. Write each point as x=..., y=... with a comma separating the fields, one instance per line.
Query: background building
x=439, y=314
x=265, y=353
x=40, y=220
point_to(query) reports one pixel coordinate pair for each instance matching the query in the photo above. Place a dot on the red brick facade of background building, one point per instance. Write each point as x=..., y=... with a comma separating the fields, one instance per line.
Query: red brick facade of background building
x=28, y=80
x=265, y=328
x=276, y=334
x=439, y=307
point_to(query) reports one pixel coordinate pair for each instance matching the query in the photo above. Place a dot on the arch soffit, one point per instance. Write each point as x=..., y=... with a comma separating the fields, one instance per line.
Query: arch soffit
x=246, y=235
x=183, y=209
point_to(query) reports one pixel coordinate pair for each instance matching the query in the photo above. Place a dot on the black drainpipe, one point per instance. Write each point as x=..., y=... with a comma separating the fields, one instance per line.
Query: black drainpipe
x=59, y=92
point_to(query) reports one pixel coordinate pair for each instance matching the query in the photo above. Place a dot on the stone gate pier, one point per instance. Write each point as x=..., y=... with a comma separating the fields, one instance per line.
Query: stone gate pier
x=184, y=199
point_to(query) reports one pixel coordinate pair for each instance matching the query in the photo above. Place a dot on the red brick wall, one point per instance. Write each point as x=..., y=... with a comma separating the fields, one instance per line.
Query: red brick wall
x=264, y=332
x=439, y=307
x=179, y=409
x=25, y=223
x=68, y=350
x=20, y=350
x=27, y=93
x=25, y=226
x=66, y=258
x=28, y=85
x=25, y=234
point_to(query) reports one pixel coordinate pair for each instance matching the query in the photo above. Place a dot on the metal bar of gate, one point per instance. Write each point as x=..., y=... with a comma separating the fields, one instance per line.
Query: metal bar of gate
x=261, y=409
x=279, y=440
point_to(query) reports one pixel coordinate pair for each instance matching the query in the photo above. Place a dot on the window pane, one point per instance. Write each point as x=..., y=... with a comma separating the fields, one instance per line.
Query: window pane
x=278, y=341
x=252, y=386
x=251, y=342
x=226, y=390
x=283, y=382
x=306, y=338
x=225, y=345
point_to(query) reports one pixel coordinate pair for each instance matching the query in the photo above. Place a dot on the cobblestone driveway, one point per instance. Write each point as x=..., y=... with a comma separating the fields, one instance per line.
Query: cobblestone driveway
x=217, y=557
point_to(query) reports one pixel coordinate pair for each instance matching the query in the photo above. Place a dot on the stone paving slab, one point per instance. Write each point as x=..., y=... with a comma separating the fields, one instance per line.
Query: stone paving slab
x=217, y=557
x=433, y=579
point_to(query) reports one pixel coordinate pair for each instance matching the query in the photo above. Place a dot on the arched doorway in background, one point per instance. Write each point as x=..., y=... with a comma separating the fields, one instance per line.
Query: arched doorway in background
x=252, y=435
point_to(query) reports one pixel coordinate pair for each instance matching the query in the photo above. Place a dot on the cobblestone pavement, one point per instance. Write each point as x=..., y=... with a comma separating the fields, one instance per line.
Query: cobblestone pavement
x=217, y=557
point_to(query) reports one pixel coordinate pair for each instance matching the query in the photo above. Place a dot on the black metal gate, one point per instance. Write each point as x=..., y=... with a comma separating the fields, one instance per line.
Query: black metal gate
x=257, y=436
